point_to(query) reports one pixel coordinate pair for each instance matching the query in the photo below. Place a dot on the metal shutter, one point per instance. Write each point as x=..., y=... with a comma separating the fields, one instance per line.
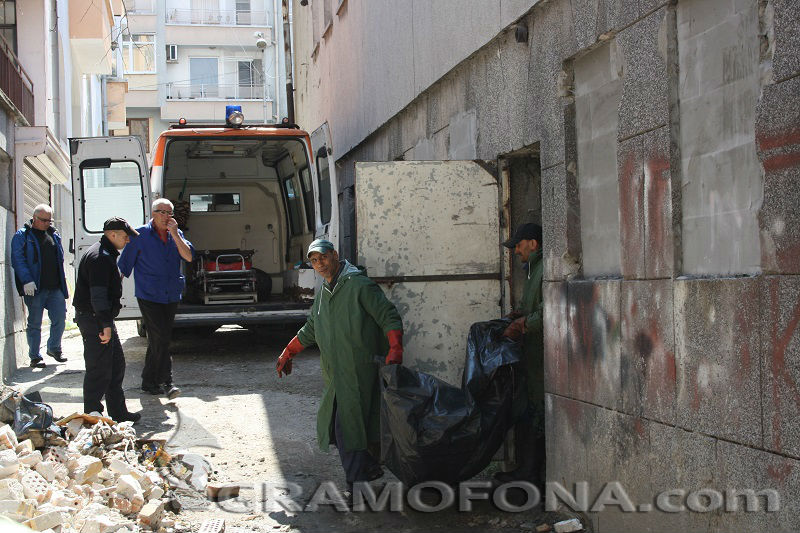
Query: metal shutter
x=35, y=189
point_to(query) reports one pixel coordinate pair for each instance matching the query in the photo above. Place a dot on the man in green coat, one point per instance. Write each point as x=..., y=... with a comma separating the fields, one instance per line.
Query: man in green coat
x=527, y=326
x=351, y=321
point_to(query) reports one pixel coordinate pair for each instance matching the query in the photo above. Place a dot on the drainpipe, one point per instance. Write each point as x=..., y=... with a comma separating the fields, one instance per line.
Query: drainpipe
x=287, y=47
x=55, y=74
x=104, y=99
x=277, y=101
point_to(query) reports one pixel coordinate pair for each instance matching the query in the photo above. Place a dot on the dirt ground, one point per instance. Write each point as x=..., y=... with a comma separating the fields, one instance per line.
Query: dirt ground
x=254, y=428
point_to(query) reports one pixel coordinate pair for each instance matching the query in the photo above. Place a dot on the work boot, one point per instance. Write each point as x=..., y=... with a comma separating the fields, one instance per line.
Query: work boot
x=172, y=391
x=129, y=417
x=58, y=356
x=37, y=363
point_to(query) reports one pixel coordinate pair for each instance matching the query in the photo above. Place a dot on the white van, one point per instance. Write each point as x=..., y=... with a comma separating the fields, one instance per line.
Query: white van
x=249, y=198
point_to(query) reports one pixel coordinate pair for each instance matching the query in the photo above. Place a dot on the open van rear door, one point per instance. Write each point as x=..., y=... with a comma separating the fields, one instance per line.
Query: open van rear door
x=429, y=233
x=326, y=190
x=109, y=178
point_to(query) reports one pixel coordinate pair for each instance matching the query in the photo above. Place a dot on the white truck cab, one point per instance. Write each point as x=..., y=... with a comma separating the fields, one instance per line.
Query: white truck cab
x=249, y=198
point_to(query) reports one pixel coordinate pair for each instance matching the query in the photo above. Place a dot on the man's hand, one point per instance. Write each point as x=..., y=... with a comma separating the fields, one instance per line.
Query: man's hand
x=172, y=226
x=105, y=336
x=513, y=315
x=516, y=329
x=284, y=365
x=395, y=356
x=29, y=288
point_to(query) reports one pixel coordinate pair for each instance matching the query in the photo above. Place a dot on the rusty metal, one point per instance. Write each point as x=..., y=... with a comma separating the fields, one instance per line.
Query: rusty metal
x=15, y=82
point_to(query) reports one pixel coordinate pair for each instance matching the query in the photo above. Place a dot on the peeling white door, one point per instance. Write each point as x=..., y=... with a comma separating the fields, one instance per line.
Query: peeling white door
x=429, y=233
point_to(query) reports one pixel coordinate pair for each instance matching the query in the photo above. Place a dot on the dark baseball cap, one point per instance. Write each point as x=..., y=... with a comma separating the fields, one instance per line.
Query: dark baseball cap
x=525, y=231
x=320, y=245
x=119, y=223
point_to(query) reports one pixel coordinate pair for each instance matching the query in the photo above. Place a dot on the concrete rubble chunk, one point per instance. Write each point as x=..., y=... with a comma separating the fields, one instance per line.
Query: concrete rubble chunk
x=11, y=489
x=8, y=439
x=9, y=463
x=568, y=526
x=17, y=509
x=74, y=426
x=221, y=491
x=118, y=466
x=103, y=524
x=36, y=487
x=212, y=525
x=87, y=469
x=31, y=459
x=46, y=470
x=151, y=513
x=45, y=521
x=26, y=446
x=128, y=487
x=68, y=499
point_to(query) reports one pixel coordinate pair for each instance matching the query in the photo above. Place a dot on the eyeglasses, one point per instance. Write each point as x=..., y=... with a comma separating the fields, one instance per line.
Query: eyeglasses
x=48, y=220
x=163, y=212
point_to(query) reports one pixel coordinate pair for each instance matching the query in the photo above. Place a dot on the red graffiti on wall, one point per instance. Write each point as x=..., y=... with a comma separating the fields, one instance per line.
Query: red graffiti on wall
x=781, y=376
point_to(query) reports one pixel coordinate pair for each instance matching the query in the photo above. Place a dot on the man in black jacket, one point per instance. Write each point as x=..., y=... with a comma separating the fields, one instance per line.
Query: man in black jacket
x=97, y=302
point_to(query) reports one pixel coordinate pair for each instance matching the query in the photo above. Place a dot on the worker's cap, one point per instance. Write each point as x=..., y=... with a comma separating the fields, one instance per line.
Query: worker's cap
x=525, y=231
x=119, y=223
x=320, y=245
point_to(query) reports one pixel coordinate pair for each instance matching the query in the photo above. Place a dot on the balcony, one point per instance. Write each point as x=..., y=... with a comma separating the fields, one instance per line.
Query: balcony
x=15, y=82
x=217, y=17
x=214, y=91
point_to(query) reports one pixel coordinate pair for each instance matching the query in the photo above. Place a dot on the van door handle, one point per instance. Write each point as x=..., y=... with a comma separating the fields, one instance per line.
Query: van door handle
x=72, y=246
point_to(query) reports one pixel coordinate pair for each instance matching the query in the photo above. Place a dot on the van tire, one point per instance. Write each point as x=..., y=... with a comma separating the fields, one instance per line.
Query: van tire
x=140, y=329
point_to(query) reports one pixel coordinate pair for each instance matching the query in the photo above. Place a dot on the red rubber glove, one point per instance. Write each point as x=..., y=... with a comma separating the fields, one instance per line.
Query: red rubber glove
x=395, y=356
x=284, y=365
x=516, y=329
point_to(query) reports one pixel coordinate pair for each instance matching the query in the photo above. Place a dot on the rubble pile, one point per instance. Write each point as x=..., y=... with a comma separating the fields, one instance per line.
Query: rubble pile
x=90, y=477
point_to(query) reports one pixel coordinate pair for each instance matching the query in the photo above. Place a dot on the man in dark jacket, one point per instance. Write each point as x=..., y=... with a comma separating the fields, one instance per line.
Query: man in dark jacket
x=38, y=262
x=527, y=327
x=155, y=259
x=351, y=320
x=97, y=302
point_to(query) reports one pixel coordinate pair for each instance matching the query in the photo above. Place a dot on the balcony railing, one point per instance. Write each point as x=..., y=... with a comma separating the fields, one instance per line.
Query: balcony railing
x=227, y=17
x=15, y=82
x=215, y=91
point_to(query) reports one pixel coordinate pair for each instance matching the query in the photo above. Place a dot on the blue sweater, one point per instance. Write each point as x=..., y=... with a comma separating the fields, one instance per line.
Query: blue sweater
x=156, y=265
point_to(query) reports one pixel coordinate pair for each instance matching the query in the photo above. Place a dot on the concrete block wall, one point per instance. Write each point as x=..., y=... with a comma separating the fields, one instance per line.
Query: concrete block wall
x=678, y=371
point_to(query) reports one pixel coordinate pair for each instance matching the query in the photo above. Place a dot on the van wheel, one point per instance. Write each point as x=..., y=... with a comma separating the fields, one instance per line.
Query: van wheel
x=140, y=329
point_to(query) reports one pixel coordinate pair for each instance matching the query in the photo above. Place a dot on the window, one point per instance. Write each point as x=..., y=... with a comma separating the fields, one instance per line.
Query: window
x=204, y=77
x=251, y=79
x=293, y=205
x=216, y=202
x=140, y=127
x=138, y=53
x=324, y=189
x=8, y=23
x=109, y=191
x=308, y=197
x=243, y=17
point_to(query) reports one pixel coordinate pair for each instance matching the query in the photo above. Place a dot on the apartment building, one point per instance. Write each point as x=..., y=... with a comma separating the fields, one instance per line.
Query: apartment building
x=657, y=144
x=54, y=59
x=190, y=58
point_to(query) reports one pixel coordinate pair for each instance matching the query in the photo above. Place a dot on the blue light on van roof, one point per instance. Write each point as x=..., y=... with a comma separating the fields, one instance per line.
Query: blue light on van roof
x=233, y=115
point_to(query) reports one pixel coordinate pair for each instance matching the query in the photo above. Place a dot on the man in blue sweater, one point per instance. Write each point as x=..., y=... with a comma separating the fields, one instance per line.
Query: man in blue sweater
x=155, y=258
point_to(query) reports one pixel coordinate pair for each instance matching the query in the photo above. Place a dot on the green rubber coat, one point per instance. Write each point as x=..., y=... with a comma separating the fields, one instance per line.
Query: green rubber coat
x=349, y=324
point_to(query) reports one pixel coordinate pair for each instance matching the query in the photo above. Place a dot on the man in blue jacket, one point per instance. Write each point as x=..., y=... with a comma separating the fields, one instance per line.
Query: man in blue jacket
x=38, y=262
x=155, y=259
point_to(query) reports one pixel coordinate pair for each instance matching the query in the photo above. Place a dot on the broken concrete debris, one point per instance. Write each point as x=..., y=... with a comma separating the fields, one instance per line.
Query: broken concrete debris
x=94, y=477
x=568, y=526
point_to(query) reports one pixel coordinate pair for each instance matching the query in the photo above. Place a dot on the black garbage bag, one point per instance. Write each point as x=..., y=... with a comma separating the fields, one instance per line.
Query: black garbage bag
x=431, y=430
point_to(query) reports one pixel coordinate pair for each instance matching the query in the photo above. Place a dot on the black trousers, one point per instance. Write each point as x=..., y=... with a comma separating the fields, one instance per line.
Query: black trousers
x=105, y=369
x=158, y=319
x=357, y=464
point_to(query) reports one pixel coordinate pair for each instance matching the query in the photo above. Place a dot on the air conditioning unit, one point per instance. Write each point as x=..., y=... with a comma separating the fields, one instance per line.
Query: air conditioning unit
x=172, y=53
